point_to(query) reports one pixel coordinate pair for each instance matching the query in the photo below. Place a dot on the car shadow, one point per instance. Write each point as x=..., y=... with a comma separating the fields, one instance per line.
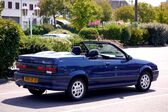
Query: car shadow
x=60, y=98
x=3, y=81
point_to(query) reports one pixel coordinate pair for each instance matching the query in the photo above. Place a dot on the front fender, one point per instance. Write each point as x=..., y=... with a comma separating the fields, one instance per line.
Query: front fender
x=145, y=67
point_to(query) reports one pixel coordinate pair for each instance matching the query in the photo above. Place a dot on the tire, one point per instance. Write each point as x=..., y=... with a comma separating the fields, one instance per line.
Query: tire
x=144, y=82
x=36, y=92
x=76, y=90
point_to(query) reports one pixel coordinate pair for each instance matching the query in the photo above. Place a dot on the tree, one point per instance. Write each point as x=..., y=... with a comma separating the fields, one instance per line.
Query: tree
x=10, y=37
x=162, y=13
x=1, y=7
x=51, y=8
x=125, y=13
x=106, y=8
x=146, y=13
x=84, y=11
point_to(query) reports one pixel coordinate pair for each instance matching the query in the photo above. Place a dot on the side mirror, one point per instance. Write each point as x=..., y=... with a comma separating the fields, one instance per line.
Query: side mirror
x=129, y=57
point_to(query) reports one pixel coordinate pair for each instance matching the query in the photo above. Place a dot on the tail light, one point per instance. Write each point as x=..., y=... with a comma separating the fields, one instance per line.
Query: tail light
x=21, y=66
x=41, y=68
x=49, y=69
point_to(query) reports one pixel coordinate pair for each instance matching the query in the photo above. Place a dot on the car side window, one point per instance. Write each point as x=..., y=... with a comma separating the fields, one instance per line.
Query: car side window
x=111, y=51
x=106, y=50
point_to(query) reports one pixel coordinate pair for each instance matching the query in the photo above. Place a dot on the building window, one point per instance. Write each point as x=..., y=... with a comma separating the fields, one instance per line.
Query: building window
x=3, y=4
x=24, y=4
x=9, y=5
x=17, y=5
x=31, y=6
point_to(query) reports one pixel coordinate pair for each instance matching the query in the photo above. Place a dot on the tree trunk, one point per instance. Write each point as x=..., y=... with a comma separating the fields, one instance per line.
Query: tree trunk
x=54, y=21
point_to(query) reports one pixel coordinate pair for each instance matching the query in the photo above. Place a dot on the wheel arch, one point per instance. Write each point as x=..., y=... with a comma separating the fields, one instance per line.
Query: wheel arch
x=80, y=76
x=147, y=69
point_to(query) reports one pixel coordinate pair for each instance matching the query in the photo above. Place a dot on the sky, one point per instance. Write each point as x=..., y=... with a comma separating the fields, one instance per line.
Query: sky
x=152, y=2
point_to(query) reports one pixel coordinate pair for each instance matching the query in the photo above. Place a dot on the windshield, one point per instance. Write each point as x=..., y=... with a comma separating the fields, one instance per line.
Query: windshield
x=105, y=49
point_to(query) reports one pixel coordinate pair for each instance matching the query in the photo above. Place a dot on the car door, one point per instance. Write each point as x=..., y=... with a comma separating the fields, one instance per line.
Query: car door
x=99, y=72
x=125, y=71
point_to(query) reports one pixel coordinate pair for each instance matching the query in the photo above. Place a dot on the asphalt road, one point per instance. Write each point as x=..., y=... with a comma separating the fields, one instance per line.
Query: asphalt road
x=127, y=99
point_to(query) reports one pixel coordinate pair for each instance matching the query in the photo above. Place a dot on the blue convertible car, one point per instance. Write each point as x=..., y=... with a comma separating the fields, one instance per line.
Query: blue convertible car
x=91, y=65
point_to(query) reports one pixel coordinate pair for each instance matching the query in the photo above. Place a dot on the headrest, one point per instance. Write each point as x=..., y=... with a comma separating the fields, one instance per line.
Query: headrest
x=94, y=53
x=76, y=50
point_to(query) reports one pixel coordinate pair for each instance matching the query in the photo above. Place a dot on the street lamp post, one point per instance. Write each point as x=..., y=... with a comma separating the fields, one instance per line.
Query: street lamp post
x=36, y=13
x=136, y=11
x=21, y=18
x=24, y=13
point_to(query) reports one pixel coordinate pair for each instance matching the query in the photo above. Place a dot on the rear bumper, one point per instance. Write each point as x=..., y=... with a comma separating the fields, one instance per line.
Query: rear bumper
x=44, y=82
x=155, y=75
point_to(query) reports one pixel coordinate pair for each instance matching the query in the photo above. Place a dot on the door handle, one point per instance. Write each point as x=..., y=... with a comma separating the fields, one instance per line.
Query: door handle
x=115, y=67
x=107, y=64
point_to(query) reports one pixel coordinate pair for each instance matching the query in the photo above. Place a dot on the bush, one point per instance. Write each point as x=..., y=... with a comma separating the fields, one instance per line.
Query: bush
x=38, y=44
x=112, y=32
x=70, y=28
x=33, y=45
x=47, y=28
x=138, y=36
x=75, y=40
x=89, y=33
x=158, y=34
x=40, y=29
x=10, y=34
x=125, y=35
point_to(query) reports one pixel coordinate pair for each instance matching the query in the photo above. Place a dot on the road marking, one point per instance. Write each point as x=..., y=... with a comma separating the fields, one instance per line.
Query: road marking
x=109, y=104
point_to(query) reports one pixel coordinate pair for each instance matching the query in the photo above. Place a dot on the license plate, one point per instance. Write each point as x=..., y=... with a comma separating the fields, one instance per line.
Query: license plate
x=31, y=79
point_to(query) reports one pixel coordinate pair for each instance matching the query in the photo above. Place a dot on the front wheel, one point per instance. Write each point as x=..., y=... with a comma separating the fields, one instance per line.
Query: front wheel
x=76, y=89
x=36, y=92
x=144, y=82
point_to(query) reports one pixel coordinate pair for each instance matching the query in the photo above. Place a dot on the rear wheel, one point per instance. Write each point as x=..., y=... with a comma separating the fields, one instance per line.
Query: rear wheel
x=36, y=92
x=144, y=82
x=76, y=89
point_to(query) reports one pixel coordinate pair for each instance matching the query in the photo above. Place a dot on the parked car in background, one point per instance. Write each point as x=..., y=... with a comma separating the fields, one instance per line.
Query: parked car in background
x=57, y=35
x=92, y=65
x=58, y=26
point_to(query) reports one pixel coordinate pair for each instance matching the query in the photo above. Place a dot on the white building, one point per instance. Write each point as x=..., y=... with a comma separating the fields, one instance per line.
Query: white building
x=13, y=10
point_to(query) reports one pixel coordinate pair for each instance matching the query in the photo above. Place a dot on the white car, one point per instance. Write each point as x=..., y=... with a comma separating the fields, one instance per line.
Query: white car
x=57, y=35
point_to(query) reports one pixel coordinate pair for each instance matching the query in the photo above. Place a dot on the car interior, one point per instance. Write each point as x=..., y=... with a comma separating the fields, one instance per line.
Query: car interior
x=93, y=53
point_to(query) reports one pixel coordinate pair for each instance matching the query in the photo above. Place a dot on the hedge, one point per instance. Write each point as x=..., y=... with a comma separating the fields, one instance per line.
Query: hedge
x=111, y=31
x=138, y=36
x=75, y=40
x=158, y=34
x=125, y=35
x=10, y=35
x=38, y=44
x=89, y=33
x=128, y=35
x=40, y=29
